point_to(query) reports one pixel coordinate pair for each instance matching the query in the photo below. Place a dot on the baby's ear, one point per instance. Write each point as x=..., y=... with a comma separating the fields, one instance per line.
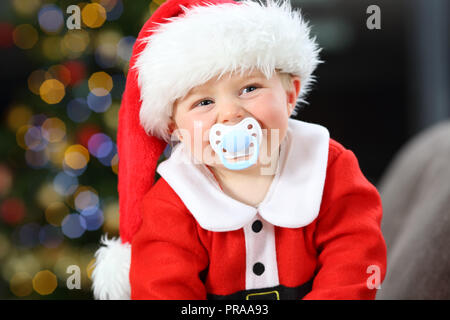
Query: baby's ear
x=293, y=93
x=171, y=127
x=295, y=89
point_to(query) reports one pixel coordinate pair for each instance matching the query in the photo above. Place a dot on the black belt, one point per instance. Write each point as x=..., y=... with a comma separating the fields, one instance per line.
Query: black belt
x=273, y=293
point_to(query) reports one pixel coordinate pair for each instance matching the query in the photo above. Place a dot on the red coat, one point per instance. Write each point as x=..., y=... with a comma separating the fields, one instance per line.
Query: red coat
x=333, y=255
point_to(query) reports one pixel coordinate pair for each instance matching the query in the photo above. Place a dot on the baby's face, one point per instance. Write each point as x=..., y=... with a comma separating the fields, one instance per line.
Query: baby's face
x=228, y=101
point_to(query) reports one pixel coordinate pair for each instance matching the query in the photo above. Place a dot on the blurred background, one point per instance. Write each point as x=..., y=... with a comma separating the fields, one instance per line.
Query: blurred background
x=61, y=91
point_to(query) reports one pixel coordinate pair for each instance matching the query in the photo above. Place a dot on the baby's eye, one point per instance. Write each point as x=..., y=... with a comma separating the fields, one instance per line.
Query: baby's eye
x=249, y=89
x=204, y=103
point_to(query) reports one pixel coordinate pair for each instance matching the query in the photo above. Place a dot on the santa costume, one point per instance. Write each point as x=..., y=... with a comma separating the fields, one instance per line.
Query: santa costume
x=316, y=234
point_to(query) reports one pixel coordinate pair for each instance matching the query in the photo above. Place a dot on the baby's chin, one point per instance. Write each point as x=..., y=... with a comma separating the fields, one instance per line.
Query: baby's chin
x=263, y=164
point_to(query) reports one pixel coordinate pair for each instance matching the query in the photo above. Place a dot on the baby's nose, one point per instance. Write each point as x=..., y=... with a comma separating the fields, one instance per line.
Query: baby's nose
x=231, y=112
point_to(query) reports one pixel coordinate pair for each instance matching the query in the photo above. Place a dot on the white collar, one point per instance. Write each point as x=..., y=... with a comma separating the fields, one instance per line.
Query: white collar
x=293, y=199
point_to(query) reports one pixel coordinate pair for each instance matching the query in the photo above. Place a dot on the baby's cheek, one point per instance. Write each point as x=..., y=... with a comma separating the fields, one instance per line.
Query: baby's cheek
x=201, y=150
x=210, y=157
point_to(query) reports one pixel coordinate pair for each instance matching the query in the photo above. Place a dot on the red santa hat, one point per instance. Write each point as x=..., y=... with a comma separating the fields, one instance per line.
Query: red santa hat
x=184, y=44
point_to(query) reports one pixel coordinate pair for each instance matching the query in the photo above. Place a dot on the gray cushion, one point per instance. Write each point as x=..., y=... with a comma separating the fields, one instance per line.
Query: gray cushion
x=415, y=191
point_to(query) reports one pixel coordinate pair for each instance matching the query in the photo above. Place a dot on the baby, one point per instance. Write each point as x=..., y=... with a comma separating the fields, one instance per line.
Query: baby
x=229, y=101
x=250, y=204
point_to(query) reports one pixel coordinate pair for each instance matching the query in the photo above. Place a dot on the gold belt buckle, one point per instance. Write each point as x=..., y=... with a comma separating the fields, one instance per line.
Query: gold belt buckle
x=262, y=294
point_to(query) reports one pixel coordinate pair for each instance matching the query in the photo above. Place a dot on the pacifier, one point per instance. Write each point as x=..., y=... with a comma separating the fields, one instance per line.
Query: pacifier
x=237, y=141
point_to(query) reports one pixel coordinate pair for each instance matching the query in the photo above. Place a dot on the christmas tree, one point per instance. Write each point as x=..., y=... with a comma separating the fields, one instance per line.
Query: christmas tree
x=59, y=162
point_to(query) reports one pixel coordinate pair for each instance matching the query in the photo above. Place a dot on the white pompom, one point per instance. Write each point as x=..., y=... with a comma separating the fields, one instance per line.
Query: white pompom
x=110, y=278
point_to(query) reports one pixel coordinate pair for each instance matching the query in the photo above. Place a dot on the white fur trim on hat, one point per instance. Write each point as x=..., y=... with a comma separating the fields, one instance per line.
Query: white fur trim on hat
x=110, y=278
x=211, y=40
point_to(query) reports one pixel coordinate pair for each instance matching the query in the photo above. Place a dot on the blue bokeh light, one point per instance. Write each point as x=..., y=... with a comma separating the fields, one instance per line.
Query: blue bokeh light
x=29, y=235
x=78, y=110
x=94, y=220
x=65, y=184
x=99, y=104
x=116, y=12
x=73, y=226
x=50, y=18
x=50, y=236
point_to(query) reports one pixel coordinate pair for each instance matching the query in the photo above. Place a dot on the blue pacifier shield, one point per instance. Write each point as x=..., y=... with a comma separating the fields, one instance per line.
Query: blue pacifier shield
x=236, y=140
x=238, y=145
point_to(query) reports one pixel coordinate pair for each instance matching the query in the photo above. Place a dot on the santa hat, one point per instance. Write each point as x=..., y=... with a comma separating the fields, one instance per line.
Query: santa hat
x=184, y=44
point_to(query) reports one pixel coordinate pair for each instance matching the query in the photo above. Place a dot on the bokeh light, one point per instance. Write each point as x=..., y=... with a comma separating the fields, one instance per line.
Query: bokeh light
x=21, y=284
x=26, y=7
x=38, y=119
x=55, y=152
x=77, y=71
x=75, y=42
x=90, y=268
x=61, y=73
x=35, y=80
x=29, y=235
x=20, y=135
x=6, y=179
x=71, y=171
x=52, y=91
x=115, y=12
x=73, y=226
x=93, y=15
x=45, y=282
x=51, y=19
x=110, y=117
x=18, y=116
x=6, y=35
x=12, y=211
x=115, y=164
x=53, y=130
x=106, y=48
x=100, y=145
x=76, y=157
x=100, y=83
x=85, y=133
x=47, y=195
x=79, y=77
x=51, y=48
x=94, y=220
x=125, y=47
x=22, y=260
x=34, y=139
x=65, y=259
x=50, y=236
x=99, y=104
x=65, y=184
x=107, y=4
x=37, y=159
x=111, y=215
x=25, y=36
x=86, y=201
x=78, y=110
x=107, y=160
x=56, y=211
